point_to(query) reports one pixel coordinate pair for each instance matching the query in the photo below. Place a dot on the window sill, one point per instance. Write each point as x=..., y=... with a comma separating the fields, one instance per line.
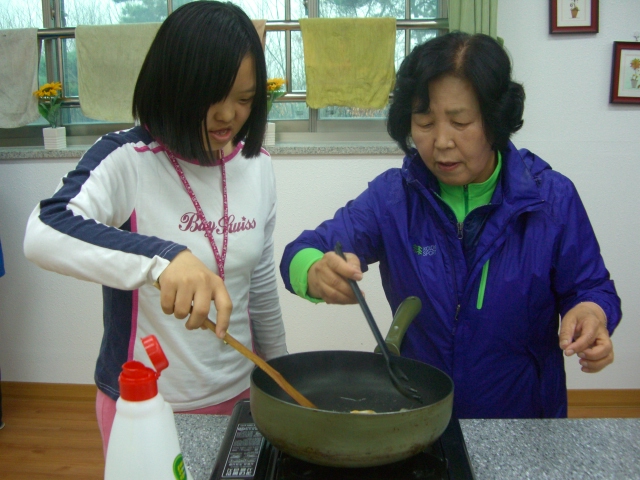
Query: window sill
x=280, y=148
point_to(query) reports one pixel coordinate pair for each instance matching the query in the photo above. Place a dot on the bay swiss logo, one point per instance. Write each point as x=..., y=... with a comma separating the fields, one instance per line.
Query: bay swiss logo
x=189, y=222
x=424, y=251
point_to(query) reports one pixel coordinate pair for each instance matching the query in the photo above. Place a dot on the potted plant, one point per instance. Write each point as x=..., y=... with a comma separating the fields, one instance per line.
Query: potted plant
x=635, y=65
x=49, y=101
x=574, y=9
x=275, y=89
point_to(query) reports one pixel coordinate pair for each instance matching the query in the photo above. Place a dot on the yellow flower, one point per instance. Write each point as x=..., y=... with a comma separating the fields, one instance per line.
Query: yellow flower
x=274, y=84
x=274, y=90
x=635, y=63
x=48, y=90
x=49, y=101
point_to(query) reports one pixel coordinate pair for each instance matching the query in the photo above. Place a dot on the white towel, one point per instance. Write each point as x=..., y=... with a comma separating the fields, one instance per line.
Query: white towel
x=18, y=77
x=109, y=61
x=261, y=28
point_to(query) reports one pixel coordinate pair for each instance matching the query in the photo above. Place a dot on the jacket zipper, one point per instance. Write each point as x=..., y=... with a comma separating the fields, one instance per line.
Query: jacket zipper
x=455, y=319
x=485, y=268
x=465, y=191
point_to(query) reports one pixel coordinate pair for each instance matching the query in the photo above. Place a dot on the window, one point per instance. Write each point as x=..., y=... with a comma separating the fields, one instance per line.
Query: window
x=417, y=21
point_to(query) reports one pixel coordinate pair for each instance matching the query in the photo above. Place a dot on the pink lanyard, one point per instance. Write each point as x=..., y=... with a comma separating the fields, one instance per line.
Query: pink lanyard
x=220, y=259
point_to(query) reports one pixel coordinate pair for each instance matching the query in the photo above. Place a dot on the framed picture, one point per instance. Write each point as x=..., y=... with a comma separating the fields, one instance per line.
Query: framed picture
x=573, y=16
x=625, y=74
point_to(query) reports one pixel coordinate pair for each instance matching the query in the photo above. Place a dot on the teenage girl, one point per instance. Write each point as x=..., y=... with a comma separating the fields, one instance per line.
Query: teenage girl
x=185, y=200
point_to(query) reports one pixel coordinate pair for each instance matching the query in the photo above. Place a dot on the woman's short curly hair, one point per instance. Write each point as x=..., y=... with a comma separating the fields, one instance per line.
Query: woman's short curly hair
x=477, y=58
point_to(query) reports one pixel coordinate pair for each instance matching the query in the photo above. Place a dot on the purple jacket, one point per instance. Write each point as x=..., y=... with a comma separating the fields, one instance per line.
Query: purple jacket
x=504, y=358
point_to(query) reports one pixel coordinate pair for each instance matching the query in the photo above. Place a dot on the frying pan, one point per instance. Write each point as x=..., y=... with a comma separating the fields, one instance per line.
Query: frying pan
x=339, y=382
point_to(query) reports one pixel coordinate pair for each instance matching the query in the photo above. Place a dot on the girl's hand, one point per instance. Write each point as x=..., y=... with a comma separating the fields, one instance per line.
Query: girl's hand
x=187, y=286
x=327, y=278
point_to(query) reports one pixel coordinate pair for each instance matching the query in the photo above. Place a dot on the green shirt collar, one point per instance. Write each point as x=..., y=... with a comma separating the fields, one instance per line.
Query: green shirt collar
x=462, y=200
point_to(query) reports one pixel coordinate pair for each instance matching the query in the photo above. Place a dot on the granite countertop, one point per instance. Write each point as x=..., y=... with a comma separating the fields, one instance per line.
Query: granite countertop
x=297, y=148
x=498, y=449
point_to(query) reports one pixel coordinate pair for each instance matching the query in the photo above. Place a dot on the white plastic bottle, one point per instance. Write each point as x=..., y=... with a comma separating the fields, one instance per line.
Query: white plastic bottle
x=144, y=441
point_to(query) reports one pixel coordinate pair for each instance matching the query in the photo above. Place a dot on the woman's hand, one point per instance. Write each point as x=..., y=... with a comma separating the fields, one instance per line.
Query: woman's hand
x=584, y=331
x=188, y=286
x=327, y=278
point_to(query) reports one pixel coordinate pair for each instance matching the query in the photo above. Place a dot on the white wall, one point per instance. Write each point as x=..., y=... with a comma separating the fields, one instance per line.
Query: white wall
x=50, y=325
x=570, y=123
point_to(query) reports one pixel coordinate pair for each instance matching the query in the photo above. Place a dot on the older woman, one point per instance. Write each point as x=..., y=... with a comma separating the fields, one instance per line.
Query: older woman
x=496, y=244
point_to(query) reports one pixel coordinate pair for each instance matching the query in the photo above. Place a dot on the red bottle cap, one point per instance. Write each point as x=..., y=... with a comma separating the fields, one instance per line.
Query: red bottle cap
x=138, y=382
x=156, y=355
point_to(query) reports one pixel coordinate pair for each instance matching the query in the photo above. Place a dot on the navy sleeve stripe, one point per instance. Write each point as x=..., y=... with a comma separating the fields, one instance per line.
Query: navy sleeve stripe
x=55, y=213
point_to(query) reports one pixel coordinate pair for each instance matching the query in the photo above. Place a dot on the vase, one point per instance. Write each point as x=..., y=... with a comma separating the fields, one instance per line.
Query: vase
x=270, y=135
x=574, y=12
x=54, y=138
x=634, y=83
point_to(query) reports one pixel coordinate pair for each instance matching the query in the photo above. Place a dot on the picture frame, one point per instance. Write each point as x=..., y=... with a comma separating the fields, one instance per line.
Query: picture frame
x=573, y=16
x=625, y=73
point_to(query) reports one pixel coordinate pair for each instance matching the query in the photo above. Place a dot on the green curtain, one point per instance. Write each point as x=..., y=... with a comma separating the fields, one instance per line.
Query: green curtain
x=474, y=16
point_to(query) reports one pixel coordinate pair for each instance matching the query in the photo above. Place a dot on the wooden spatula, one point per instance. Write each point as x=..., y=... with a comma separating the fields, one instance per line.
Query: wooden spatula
x=268, y=369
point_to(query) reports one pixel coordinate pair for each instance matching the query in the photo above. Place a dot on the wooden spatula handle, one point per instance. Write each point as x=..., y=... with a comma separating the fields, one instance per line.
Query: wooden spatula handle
x=268, y=369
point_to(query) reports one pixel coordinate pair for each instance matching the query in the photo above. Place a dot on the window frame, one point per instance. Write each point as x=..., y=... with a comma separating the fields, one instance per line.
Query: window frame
x=304, y=130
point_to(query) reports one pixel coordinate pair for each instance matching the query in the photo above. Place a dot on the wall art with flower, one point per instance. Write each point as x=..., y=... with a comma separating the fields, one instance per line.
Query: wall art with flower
x=625, y=76
x=573, y=16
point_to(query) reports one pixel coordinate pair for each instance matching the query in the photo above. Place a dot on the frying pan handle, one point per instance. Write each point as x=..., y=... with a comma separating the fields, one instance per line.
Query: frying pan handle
x=405, y=313
x=365, y=309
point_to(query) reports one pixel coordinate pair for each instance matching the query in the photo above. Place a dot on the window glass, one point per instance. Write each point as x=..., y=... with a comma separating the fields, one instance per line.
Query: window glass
x=424, y=9
x=275, y=54
x=299, y=9
x=276, y=66
x=20, y=14
x=361, y=8
x=106, y=12
x=418, y=37
x=255, y=9
x=298, y=77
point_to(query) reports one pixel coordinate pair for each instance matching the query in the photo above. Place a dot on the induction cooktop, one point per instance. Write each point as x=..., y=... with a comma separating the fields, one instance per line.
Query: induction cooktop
x=246, y=455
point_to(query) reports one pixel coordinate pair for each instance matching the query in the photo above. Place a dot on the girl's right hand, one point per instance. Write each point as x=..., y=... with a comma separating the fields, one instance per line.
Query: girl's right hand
x=327, y=278
x=188, y=286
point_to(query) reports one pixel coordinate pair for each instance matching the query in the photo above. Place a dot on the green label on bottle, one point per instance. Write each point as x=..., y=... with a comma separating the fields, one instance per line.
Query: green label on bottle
x=179, y=470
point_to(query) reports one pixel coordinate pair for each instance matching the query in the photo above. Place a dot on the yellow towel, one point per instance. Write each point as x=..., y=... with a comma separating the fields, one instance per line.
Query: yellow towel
x=349, y=62
x=18, y=77
x=109, y=61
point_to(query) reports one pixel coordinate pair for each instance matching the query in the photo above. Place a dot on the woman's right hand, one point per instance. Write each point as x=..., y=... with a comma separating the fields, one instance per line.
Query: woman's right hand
x=327, y=278
x=187, y=285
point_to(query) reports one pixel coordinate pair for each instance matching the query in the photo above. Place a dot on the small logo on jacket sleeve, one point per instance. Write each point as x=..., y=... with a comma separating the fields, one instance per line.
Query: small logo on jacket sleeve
x=427, y=250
